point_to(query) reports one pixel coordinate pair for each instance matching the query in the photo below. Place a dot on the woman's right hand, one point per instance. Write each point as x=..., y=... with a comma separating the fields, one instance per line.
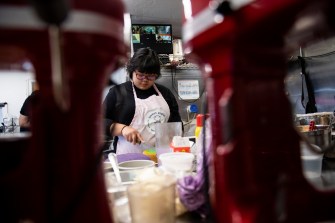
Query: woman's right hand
x=131, y=135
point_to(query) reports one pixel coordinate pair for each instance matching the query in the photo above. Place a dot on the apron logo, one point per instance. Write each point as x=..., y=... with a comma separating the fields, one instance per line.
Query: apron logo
x=153, y=117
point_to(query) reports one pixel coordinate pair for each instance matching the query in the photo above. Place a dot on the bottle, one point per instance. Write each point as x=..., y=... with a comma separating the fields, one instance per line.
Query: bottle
x=199, y=124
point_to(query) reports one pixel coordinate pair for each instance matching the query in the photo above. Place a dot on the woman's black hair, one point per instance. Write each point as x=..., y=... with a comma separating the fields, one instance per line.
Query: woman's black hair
x=144, y=60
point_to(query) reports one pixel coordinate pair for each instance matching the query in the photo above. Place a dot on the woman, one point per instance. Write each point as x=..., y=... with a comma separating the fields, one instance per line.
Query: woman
x=132, y=108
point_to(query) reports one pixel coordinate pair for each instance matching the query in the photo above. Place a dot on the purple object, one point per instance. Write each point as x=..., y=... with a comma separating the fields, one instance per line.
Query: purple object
x=191, y=192
x=131, y=156
x=192, y=189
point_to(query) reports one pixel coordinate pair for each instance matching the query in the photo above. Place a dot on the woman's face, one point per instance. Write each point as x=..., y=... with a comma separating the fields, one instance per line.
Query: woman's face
x=143, y=81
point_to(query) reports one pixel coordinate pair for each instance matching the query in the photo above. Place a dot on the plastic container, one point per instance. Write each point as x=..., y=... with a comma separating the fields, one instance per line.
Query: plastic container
x=180, y=144
x=136, y=164
x=151, y=202
x=180, y=149
x=177, y=162
x=164, y=135
x=311, y=162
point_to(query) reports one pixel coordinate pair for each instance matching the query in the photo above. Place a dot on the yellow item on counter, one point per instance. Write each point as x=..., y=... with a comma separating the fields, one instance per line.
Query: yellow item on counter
x=151, y=153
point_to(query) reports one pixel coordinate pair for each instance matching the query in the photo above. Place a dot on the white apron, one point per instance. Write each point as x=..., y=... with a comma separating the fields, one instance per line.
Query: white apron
x=148, y=112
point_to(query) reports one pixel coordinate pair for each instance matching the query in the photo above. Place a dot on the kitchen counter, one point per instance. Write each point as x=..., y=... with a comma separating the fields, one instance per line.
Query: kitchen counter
x=325, y=182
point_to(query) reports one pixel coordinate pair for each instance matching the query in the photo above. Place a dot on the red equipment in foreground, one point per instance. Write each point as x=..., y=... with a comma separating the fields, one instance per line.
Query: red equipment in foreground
x=242, y=47
x=56, y=175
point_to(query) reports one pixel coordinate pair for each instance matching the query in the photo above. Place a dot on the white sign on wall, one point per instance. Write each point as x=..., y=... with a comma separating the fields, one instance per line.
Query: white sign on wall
x=188, y=89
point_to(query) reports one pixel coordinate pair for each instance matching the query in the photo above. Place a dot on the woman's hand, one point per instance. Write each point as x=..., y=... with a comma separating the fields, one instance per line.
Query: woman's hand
x=131, y=135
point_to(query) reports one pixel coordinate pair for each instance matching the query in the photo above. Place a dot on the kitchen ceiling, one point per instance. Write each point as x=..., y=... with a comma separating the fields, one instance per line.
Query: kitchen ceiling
x=157, y=11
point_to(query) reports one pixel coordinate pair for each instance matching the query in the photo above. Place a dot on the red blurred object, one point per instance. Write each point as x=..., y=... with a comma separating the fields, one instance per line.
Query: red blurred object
x=312, y=126
x=56, y=175
x=242, y=47
x=180, y=149
x=200, y=120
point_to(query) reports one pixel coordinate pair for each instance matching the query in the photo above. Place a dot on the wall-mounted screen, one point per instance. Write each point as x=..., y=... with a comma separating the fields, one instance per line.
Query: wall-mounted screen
x=156, y=36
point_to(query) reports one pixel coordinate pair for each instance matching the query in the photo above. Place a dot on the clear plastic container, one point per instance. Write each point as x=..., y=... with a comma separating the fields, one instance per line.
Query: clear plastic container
x=164, y=135
x=151, y=202
x=178, y=162
x=311, y=161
